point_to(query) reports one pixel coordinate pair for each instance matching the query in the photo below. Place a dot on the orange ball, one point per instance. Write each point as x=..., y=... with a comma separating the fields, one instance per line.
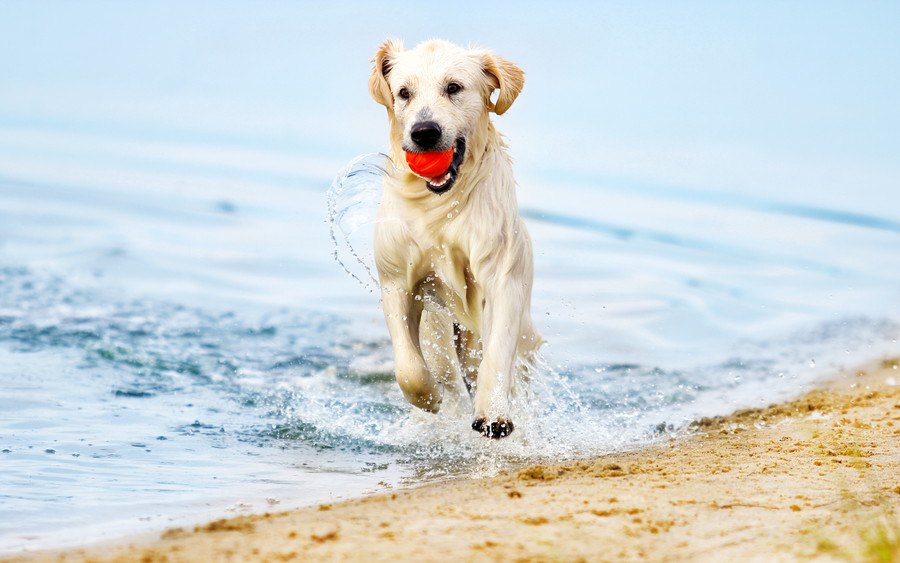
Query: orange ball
x=430, y=164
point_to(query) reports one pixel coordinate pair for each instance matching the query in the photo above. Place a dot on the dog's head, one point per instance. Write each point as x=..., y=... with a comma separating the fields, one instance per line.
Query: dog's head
x=438, y=95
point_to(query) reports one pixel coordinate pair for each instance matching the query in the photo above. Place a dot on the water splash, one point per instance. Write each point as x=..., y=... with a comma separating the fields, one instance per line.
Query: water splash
x=352, y=203
x=550, y=417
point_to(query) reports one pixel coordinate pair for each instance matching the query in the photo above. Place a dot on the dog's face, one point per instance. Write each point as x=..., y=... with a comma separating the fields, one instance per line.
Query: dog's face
x=438, y=94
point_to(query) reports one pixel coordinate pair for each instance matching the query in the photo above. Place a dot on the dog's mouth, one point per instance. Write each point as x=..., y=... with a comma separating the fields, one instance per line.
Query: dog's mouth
x=441, y=184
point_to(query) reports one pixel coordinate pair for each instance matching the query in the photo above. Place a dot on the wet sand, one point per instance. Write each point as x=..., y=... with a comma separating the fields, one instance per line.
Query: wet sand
x=813, y=478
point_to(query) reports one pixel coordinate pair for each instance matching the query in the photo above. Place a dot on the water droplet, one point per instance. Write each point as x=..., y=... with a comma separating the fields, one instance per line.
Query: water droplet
x=812, y=363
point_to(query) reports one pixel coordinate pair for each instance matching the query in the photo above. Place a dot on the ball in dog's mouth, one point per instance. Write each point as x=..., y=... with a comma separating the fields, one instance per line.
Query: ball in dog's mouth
x=424, y=166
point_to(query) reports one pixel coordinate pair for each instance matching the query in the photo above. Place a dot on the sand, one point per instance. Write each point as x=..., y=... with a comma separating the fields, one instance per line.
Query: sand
x=813, y=478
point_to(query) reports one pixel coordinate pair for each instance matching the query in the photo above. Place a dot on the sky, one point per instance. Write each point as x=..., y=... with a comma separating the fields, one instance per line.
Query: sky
x=795, y=99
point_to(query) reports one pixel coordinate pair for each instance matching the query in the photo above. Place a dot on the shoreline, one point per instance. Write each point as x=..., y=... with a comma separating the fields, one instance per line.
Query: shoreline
x=813, y=477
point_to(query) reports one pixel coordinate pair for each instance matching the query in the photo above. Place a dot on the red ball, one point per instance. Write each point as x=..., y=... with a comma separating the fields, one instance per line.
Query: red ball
x=430, y=164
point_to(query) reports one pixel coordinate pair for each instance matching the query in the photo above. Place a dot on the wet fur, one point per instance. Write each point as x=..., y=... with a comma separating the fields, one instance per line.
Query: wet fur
x=455, y=269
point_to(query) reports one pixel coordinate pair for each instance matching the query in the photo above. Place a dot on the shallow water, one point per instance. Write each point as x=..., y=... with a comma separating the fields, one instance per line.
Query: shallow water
x=177, y=341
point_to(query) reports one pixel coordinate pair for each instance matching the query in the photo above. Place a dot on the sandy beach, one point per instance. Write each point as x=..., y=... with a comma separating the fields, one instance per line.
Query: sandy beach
x=813, y=478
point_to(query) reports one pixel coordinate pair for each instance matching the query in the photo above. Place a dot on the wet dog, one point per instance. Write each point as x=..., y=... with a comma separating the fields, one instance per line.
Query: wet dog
x=453, y=256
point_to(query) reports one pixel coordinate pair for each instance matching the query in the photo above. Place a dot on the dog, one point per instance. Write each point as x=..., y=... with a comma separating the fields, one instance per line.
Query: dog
x=454, y=258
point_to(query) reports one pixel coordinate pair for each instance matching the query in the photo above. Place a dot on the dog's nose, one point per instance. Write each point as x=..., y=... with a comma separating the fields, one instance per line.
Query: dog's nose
x=426, y=134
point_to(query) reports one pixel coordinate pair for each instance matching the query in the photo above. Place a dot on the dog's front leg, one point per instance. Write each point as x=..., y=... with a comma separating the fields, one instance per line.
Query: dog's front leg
x=501, y=322
x=403, y=314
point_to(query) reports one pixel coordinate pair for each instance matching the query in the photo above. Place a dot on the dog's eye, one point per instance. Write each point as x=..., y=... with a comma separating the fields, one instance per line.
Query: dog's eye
x=453, y=88
x=403, y=93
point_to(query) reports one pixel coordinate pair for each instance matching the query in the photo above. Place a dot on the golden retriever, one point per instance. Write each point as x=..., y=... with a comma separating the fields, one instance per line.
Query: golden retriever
x=454, y=258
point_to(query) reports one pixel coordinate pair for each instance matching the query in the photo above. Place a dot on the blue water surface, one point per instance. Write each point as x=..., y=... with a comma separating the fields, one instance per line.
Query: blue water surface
x=712, y=190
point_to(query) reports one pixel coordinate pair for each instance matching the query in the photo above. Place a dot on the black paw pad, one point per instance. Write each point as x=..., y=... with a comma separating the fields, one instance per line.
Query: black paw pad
x=496, y=430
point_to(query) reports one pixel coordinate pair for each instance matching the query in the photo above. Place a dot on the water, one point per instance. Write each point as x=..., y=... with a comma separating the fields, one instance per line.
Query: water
x=177, y=341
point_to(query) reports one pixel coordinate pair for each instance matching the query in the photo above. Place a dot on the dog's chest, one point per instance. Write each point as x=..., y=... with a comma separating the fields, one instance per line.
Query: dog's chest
x=446, y=261
x=446, y=258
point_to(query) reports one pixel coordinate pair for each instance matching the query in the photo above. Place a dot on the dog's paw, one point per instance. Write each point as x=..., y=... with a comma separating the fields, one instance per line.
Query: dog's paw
x=496, y=430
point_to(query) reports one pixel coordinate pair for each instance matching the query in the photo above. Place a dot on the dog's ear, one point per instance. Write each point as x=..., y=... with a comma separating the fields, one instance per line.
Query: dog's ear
x=383, y=61
x=506, y=76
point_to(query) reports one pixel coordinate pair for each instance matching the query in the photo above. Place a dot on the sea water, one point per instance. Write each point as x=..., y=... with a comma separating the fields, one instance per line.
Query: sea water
x=189, y=320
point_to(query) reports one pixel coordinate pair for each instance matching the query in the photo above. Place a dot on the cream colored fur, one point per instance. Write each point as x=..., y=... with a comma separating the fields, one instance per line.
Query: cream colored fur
x=463, y=257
